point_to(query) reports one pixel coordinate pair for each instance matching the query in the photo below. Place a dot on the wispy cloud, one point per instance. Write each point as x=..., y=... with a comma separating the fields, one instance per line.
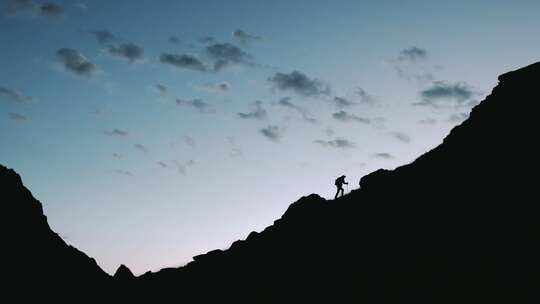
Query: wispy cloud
x=245, y=38
x=17, y=117
x=383, y=155
x=123, y=172
x=11, y=95
x=342, y=102
x=409, y=64
x=365, y=97
x=197, y=104
x=181, y=167
x=271, y=132
x=47, y=9
x=104, y=37
x=162, y=89
x=258, y=112
x=341, y=143
x=346, y=117
x=116, y=132
x=221, y=87
x=141, y=148
x=401, y=137
x=287, y=103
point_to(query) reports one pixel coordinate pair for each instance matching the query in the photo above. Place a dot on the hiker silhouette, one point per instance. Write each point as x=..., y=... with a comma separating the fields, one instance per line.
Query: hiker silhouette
x=339, y=184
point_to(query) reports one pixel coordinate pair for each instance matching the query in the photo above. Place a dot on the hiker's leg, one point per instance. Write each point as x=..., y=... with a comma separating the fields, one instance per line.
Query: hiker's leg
x=342, y=191
x=337, y=193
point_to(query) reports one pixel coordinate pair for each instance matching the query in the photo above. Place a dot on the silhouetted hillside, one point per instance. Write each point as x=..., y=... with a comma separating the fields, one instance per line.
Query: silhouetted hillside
x=458, y=225
x=37, y=262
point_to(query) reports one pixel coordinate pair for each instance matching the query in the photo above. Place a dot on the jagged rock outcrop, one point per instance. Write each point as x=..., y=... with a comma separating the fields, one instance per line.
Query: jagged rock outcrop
x=457, y=225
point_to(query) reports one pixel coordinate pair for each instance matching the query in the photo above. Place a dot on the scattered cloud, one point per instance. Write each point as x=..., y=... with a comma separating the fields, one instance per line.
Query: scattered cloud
x=207, y=40
x=162, y=89
x=161, y=164
x=51, y=9
x=383, y=155
x=346, y=117
x=174, y=40
x=365, y=97
x=409, y=65
x=412, y=54
x=184, y=61
x=75, y=62
x=401, y=137
x=196, y=103
x=17, y=117
x=342, y=102
x=442, y=93
x=245, y=38
x=226, y=54
x=116, y=155
x=129, y=51
x=123, y=172
x=300, y=84
x=258, y=112
x=116, y=132
x=340, y=143
x=141, y=148
x=11, y=95
x=221, y=87
x=104, y=37
x=182, y=167
x=271, y=132
x=287, y=103
x=47, y=9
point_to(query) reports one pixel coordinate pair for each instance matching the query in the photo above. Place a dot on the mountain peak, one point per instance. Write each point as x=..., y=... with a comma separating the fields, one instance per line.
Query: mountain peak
x=123, y=273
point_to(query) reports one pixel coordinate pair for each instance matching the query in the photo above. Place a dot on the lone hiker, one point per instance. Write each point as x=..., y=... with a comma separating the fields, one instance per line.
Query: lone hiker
x=339, y=184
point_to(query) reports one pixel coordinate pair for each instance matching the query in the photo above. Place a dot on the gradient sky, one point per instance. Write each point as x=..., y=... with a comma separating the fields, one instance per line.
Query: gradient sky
x=153, y=131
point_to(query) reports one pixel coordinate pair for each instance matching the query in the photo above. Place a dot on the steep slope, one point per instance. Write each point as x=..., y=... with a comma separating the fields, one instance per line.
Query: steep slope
x=37, y=262
x=459, y=224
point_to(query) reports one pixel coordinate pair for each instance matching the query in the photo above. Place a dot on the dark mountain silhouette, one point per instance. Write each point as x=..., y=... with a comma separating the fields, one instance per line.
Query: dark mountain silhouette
x=37, y=262
x=457, y=225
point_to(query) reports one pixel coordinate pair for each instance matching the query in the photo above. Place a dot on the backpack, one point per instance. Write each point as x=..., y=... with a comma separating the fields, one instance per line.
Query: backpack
x=338, y=181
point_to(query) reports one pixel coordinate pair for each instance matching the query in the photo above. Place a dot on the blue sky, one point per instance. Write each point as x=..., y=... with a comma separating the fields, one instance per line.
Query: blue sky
x=153, y=131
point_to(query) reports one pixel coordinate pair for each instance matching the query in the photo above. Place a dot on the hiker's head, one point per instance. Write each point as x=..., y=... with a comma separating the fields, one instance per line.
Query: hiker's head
x=343, y=176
